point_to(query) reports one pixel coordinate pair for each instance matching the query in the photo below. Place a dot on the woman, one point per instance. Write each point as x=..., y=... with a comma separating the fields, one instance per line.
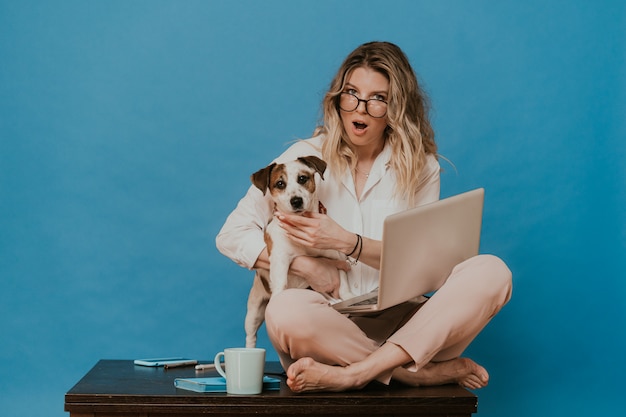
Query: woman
x=381, y=155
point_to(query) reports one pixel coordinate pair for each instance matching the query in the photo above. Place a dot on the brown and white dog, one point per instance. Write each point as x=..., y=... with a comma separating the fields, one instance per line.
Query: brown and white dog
x=292, y=188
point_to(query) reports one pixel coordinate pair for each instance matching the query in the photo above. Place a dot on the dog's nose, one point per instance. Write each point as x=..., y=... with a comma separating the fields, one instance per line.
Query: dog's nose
x=296, y=202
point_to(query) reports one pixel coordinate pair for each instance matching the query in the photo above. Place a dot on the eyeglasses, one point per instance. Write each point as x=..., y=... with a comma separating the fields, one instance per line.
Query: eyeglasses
x=374, y=107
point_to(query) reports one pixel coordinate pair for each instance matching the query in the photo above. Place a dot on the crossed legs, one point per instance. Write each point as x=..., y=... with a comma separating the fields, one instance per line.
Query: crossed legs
x=324, y=350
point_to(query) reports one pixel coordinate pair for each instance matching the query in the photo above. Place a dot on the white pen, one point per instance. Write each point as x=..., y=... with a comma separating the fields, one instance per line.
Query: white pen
x=205, y=367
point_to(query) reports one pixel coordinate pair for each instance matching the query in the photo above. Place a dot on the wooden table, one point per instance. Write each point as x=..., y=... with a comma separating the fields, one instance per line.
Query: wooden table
x=120, y=388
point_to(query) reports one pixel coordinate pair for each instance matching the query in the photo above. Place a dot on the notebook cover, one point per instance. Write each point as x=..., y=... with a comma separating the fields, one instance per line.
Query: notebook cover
x=218, y=384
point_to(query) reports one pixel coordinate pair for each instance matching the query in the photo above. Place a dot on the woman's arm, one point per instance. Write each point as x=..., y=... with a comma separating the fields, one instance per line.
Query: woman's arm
x=322, y=274
x=241, y=236
x=369, y=252
x=320, y=231
x=317, y=230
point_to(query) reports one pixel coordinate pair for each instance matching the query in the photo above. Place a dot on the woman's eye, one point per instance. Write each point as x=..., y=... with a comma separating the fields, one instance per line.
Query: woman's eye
x=351, y=91
x=379, y=97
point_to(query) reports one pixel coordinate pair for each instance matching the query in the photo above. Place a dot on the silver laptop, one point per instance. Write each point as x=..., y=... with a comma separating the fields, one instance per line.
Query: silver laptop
x=420, y=247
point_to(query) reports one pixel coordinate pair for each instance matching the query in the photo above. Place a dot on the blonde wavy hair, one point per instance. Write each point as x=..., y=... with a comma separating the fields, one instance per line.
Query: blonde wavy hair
x=409, y=132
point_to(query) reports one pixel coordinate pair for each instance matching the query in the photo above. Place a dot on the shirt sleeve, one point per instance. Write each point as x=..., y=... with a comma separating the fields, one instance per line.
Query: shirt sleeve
x=241, y=236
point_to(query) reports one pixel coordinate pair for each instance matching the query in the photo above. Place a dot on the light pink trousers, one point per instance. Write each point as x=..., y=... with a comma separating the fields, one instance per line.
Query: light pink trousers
x=301, y=323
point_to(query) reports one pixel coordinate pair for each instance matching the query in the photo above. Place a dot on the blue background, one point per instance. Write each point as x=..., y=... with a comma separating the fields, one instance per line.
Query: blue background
x=129, y=129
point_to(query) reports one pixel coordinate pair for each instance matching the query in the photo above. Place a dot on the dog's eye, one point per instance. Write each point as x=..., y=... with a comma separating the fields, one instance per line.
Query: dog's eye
x=302, y=179
x=280, y=185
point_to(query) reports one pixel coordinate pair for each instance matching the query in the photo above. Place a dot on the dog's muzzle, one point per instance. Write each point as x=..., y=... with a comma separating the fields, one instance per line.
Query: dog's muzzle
x=296, y=203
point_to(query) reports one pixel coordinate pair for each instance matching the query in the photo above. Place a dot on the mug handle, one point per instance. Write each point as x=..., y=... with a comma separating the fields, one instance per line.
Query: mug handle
x=218, y=364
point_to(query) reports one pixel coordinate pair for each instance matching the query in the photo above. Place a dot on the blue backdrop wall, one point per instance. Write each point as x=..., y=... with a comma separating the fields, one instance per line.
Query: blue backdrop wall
x=129, y=129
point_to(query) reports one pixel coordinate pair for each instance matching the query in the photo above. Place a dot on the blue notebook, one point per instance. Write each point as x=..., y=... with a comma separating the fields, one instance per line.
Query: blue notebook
x=218, y=384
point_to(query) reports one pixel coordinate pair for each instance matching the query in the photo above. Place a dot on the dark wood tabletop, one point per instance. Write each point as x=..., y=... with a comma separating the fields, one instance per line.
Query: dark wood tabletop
x=118, y=387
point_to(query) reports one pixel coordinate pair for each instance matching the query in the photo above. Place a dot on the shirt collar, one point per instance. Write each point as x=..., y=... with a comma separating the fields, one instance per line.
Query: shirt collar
x=379, y=168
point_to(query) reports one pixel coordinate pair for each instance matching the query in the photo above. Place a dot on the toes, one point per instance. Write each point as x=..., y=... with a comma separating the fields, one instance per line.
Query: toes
x=473, y=381
x=293, y=385
x=295, y=374
x=296, y=368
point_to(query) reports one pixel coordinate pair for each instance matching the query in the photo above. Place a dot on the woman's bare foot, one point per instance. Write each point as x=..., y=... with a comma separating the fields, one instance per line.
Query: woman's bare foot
x=307, y=375
x=462, y=371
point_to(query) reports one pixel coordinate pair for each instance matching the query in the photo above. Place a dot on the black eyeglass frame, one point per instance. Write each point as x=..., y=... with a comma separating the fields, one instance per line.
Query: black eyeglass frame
x=359, y=101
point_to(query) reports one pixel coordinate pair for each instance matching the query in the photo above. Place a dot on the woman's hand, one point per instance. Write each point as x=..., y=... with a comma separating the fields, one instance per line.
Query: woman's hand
x=317, y=231
x=322, y=274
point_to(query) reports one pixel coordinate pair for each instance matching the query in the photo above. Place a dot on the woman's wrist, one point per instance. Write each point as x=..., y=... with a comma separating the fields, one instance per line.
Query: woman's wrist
x=358, y=249
x=356, y=245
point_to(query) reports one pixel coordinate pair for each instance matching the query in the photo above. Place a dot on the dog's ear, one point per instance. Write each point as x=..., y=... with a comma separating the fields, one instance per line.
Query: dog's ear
x=261, y=178
x=315, y=163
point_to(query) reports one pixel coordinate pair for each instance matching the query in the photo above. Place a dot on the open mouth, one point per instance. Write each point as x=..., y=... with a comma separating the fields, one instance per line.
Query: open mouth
x=359, y=125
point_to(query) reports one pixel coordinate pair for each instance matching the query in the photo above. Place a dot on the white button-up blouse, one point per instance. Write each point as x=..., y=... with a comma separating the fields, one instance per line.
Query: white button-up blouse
x=241, y=237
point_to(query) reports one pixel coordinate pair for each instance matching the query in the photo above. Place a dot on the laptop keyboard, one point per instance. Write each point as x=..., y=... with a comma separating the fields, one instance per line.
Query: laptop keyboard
x=369, y=301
